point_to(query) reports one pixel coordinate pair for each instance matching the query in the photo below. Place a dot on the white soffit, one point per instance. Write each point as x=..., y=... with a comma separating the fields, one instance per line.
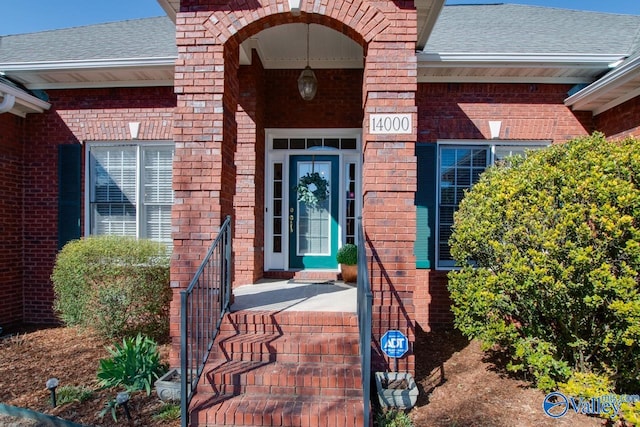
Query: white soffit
x=620, y=85
x=93, y=73
x=171, y=8
x=285, y=47
x=512, y=67
x=428, y=12
x=24, y=102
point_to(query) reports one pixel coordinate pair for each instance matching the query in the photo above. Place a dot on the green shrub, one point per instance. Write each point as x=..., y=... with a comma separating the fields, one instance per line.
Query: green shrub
x=347, y=254
x=168, y=412
x=69, y=393
x=117, y=285
x=630, y=413
x=550, y=254
x=135, y=365
x=587, y=385
x=393, y=418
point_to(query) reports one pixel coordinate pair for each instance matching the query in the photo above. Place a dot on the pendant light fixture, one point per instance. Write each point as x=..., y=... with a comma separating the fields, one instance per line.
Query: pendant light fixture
x=307, y=82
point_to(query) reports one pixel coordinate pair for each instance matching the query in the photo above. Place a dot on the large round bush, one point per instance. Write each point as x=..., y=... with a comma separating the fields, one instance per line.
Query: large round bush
x=550, y=249
x=116, y=285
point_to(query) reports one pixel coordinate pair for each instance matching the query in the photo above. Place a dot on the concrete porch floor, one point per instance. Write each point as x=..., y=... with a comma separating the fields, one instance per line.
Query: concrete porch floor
x=296, y=295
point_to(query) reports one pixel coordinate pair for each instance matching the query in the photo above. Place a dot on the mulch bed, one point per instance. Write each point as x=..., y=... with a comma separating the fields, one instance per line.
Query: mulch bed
x=459, y=384
x=29, y=357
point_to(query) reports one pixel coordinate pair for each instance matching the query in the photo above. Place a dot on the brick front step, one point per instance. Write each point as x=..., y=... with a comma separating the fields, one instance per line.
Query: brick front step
x=288, y=322
x=277, y=410
x=292, y=379
x=284, y=369
x=300, y=348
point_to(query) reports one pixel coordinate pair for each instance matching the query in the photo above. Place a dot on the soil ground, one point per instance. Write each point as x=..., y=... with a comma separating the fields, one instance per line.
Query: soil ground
x=30, y=357
x=459, y=384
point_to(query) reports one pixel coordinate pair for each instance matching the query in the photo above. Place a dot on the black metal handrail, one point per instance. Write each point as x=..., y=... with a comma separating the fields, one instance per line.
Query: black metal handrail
x=365, y=299
x=202, y=306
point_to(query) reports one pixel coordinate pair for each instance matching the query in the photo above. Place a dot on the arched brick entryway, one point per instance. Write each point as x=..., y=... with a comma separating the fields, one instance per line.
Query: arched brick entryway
x=214, y=132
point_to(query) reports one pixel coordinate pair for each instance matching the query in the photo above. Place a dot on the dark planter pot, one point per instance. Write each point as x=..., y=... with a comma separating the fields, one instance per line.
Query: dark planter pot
x=349, y=273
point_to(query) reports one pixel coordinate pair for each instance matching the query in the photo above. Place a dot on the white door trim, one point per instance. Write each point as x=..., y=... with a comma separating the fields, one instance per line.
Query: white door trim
x=280, y=261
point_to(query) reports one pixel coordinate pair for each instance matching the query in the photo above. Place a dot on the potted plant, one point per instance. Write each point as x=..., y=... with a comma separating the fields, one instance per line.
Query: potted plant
x=347, y=257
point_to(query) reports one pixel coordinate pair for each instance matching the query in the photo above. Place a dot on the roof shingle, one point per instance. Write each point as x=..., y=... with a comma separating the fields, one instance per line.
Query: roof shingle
x=508, y=28
x=140, y=38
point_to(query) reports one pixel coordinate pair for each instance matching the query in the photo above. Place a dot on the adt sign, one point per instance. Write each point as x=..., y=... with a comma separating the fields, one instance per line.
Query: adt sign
x=394, y=344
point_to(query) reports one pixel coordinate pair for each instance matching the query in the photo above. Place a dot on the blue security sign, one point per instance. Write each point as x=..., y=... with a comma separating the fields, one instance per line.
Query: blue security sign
x=394, y=344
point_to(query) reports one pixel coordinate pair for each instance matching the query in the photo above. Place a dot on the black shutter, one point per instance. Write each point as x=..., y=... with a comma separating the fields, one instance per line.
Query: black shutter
x=69, y=193
x=426, y=197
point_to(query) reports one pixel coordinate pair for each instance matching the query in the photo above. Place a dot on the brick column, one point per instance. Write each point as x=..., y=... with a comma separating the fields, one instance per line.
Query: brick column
x=389, y=180
x=249, y=198
x=205, y=135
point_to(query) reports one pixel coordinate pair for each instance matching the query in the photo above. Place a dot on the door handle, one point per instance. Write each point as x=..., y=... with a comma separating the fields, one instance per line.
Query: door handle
x=291, y=223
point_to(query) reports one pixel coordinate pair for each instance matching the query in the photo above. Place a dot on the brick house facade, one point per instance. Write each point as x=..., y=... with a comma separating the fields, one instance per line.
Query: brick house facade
x=219, y=110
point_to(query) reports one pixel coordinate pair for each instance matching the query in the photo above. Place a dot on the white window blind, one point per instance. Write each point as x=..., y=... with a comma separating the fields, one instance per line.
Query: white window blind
x=459, y=168
x=158, y=194
x=130, y=191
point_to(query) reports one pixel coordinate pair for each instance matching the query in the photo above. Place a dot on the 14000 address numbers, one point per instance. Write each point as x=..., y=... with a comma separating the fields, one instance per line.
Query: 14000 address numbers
x=392, y=124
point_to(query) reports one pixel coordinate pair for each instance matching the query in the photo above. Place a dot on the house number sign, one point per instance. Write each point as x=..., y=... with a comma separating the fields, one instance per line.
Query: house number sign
x=390, y=124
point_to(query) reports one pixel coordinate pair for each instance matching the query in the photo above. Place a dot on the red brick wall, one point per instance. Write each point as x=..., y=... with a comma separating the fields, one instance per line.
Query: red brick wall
x=11, y=169
x=620, y=121
x=338, y=103
x=462, y=111
x=76, y=116
x=527, y=111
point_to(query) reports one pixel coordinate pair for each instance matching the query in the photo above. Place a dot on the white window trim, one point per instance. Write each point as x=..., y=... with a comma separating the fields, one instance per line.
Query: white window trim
x=139, y=182
x=472, y=143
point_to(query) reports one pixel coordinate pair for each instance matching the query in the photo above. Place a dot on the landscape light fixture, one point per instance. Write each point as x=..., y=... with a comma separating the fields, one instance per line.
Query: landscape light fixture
x=122, y=399
x=307, y=82
x=52, y=384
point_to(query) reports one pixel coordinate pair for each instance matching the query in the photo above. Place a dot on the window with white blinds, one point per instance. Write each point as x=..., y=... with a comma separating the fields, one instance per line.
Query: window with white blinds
x=459, y=168
x=130, y=190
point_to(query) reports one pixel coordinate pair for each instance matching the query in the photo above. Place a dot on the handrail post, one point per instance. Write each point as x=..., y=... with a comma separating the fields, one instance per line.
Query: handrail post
x=227, y=284
x=365, y=300
x=184, y=364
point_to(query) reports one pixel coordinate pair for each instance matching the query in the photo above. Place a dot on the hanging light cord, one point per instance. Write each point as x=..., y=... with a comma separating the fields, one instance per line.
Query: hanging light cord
x=308, y=30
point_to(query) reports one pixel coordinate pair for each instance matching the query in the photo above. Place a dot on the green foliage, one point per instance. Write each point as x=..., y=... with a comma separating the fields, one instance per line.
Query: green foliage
x=135, y=365
x=116, y=285
x=110, y=406
x=587, y=385
x=393, y=418
x=630, y=413
x=347, y=254
x=168, y=412
x=555, y=244
x=69, y=393
x=312, y=188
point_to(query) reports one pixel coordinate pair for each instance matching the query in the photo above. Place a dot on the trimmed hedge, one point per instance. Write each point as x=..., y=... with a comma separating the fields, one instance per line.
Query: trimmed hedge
x=117, y=285
x=555, y=244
